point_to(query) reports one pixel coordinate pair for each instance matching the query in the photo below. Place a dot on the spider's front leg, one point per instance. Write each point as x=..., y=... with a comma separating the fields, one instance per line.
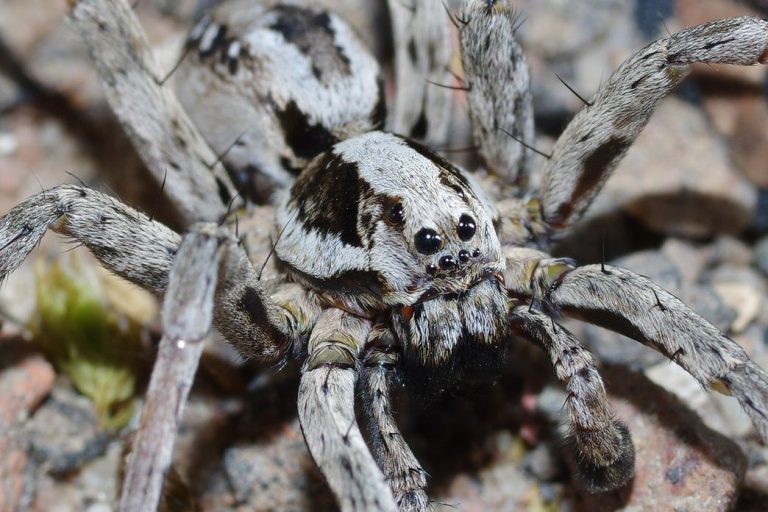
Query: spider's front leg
x=327, y=413
x=206, y=267
x=605, y=455
x=401, y=468
x=596, y=139
x=632, y=305
x=141, y=250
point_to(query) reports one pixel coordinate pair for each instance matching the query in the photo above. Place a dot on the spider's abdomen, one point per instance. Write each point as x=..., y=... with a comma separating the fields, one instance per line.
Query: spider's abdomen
x=270, y=87
x=382, y=225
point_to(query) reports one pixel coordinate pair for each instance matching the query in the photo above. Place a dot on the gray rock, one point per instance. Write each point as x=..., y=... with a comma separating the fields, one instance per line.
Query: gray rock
x=705, y=301
x=543, y=462
x=678, y=179
x=761, y=255
x=276, y=475
x=687, y=258
x=730, y=250
x=655, y=265
x=680, y=464
x=64, y=432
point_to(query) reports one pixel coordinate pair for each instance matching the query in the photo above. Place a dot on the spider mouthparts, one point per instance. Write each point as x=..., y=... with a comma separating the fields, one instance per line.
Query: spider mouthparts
x=490, y=273
x=407, y=313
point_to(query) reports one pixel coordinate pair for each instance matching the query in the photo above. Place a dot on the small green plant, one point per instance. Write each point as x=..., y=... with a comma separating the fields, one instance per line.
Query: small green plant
x=86, y=337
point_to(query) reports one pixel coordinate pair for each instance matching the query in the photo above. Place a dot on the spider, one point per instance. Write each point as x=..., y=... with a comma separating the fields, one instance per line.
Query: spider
x=389, y=261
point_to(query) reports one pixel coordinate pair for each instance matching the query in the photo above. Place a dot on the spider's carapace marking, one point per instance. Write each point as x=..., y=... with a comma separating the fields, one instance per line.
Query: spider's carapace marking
x=390, y=260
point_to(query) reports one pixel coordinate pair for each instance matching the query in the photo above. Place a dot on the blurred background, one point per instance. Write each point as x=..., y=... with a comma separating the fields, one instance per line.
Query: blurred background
x=688, y=207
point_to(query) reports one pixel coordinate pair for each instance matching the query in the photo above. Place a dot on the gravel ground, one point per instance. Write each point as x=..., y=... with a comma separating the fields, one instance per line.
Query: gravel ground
x=688, y=207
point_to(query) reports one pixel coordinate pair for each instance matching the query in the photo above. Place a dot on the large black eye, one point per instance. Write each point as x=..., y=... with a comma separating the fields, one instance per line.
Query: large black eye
x=467, y=227
x=396, y=214
x=428, y=241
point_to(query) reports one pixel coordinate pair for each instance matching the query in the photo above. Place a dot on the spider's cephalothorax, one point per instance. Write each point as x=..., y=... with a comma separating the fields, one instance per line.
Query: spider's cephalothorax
x=387, y=255
x=360, y=227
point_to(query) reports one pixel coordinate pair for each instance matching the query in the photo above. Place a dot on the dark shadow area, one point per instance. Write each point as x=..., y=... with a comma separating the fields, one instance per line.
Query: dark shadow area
x=617, y=234
x=15, y=350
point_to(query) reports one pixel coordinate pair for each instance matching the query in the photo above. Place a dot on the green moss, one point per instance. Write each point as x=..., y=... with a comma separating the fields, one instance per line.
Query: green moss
x=86, y=338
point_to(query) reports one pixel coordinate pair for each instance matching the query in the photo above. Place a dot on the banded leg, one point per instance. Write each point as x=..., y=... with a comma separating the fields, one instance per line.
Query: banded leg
x=401, y=468
x=605, y=455
x=634, y=306
x=142, y=251
x=598, y=137
x=186, y=320
x=159, y=128
x=422, y=110
x=327, y=413
x=497, y=76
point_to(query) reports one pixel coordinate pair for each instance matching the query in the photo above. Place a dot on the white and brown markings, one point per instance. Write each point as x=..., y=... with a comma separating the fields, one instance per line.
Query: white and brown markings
x=390, y=260
x=281, y=83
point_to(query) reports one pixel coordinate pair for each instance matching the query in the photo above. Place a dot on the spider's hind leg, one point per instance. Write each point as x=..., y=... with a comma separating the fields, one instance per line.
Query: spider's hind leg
x=169, y=144
x=423, y=101
x=604, y=452
x=497, y=77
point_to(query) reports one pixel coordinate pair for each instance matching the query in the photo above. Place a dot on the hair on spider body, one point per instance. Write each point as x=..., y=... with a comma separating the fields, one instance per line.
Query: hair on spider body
x=368, y=234
x=390, y=260
x=265, y=72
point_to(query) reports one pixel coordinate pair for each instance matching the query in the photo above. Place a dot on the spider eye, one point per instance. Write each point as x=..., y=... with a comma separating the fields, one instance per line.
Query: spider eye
x=397, y=214
x=458, y=190
x=467, y=227
x=447, y=262
x=428, y=241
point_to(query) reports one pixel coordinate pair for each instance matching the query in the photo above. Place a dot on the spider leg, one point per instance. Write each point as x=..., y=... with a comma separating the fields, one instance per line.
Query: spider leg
x=186, y=319
x=598, y=137
x=327, y=413
x=632, y=305
x=142, y=251
x=401, y=468
x=423, y=52
x=497, y=76
x=606, y=456
x=160, y=130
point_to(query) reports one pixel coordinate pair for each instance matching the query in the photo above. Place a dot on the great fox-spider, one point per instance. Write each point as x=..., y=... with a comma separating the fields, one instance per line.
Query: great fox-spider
x=388, y=259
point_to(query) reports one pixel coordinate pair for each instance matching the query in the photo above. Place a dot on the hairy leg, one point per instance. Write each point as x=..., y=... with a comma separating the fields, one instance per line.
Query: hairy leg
x=634, y=306
x=327, y=413
x=422, y=110
x=142, y=251
x=596, y=139
x=605, y=455
x=186, y=320
x=497, y=77
x=168, y=142
x=401, y=469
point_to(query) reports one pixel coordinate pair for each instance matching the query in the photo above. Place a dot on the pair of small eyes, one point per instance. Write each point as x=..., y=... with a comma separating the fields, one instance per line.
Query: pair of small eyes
x=428, y=241
x=448, y=261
